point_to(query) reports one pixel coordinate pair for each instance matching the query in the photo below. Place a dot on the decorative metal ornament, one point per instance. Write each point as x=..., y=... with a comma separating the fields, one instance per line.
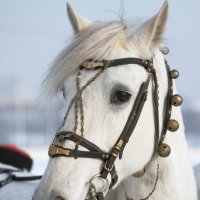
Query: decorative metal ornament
x=176, y=100
x=172, y=125
x=174, y=74
x=90, y=64
x=164, y=150
x=165, y=50
x=139, y=173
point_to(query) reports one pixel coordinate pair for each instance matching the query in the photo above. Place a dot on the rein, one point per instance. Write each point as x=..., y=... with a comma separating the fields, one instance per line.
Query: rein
x=12, y=177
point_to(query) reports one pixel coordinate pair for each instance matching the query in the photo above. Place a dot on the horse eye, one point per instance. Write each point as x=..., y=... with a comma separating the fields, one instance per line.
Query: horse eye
x=120, y=97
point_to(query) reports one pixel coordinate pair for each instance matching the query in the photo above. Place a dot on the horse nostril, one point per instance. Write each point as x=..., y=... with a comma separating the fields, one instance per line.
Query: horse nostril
x=59, y=198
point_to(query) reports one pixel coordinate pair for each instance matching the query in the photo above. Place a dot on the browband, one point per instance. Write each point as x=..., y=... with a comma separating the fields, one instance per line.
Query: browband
x=95, y=64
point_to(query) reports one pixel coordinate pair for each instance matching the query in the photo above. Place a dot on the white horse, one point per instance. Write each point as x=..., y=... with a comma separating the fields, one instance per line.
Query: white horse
x=105, y=115
x=67, y=178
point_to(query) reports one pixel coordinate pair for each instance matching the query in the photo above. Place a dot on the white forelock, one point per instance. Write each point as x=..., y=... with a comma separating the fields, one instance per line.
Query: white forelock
x=95, y=42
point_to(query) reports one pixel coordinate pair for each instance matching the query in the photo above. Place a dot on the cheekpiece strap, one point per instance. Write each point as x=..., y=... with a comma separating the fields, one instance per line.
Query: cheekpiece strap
x=117, y=150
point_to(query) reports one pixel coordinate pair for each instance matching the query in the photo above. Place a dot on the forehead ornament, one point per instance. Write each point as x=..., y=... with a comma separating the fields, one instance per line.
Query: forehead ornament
x=165, y=50
x=92, y=64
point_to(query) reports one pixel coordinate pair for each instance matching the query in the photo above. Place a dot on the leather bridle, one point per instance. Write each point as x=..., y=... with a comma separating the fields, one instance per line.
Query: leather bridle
x=109, y=158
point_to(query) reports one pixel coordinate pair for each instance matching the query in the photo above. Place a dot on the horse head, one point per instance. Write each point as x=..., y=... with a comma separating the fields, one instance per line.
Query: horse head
x=100, y=91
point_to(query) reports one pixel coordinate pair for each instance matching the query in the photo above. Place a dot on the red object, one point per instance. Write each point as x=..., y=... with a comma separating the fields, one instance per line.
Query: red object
x=14, y=156
x=14, y=148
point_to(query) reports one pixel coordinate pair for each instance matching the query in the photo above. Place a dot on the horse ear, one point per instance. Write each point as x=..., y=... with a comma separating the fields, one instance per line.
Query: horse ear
x=152, y=30
x=78, y=22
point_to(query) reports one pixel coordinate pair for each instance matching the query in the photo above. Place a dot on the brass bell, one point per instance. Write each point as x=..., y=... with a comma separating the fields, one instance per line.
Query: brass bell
x=174, y=74
x=172, y=125
x=165, y=50
x=139, y=173
x=176, y=100
x=164, y=150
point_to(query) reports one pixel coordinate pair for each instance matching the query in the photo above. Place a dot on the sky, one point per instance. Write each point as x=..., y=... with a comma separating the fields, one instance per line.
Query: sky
x=32, y=33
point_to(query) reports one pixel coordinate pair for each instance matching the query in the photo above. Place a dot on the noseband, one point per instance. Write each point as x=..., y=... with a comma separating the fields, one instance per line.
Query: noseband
x=109, y=158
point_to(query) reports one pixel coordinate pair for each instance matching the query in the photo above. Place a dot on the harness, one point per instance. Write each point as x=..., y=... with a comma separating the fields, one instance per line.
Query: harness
x=108, y=158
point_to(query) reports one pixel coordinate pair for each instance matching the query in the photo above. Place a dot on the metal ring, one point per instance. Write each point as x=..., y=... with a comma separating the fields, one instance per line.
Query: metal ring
x=116, y=155
x=105, y=182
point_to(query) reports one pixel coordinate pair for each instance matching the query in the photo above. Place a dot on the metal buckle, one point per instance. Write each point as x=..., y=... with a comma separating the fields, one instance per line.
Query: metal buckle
x=92, y=64
x=115, y=155
x=119, y=144
x=54, y=150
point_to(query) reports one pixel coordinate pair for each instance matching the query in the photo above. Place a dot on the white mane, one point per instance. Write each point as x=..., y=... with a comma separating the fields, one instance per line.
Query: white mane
x=95, y=42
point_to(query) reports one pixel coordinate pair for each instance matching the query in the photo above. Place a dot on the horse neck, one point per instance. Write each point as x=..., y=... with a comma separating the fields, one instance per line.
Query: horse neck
x=171, y=182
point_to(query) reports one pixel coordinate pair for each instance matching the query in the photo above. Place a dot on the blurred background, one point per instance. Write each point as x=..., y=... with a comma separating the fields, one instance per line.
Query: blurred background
x=32, y=33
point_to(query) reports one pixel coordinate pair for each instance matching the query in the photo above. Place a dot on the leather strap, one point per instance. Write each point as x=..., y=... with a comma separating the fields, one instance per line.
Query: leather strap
x=113, y=63
x=68, y=135
x=168, y=105
x=25, y=178
x=57, y=151
x=12, y=177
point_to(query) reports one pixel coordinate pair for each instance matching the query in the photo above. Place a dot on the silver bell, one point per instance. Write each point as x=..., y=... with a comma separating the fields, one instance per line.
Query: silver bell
x=174, y=74
x=176, y=100
x=165, y=50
